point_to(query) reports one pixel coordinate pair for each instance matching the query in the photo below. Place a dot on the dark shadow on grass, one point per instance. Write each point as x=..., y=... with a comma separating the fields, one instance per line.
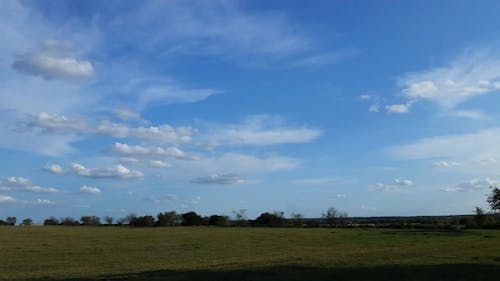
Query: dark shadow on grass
x=442, y=272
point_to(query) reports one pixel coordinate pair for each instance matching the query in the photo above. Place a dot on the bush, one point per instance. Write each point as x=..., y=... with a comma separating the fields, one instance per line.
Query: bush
x=90, y=220
x=51, y=221
x=268, y=219
x=168, y=219
x=143, y=221
x=217, y=220
x=191, y=218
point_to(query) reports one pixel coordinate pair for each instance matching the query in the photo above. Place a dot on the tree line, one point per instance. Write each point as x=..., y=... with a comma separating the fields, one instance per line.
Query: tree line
x=332, y=217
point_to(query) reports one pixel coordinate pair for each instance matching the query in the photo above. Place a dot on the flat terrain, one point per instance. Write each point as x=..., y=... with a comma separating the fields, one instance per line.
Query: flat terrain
x=205, y=253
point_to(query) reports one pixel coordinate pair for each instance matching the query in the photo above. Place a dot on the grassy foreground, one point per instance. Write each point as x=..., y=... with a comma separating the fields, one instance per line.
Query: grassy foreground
x=203, y=253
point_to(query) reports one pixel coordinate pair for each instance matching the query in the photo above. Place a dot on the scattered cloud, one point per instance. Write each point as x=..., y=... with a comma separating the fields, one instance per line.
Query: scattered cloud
x=403, y=182
x=118, y=171
x=398, y=108
x=220, y=179
x=327, y=58
x=470, y=114
x=54, y=168
x=41, y=202
x=445, y=164
x=472, y=185
x=7, y=199
x=24, y=184
x=159, y=164
x=54, y=60
x=136, y=150
x=470, y=75
x=90, y=190
x=476, y=146
x=58, y=124
x=128, y=115
x=163, y=133
x=395, y=185
x=260, y=130
x=315, y=181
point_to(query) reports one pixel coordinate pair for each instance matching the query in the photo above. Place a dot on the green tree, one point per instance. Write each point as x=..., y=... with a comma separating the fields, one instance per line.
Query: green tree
x=494, y=199
x=90, y=220
x=480, y=217
x=297, y=219
x=240, y=217
x=27, y=222
x=51, y=221
x=11, y=220
x=191, y=218
x=168, y=219
x=270, y=219
x=217, y=220
x=108, y=220
x=334, y=216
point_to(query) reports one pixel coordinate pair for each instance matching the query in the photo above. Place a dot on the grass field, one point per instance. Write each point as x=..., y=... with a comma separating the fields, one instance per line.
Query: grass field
x=203, y=253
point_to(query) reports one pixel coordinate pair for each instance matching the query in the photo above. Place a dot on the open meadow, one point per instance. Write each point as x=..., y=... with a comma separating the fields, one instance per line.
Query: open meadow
x=231, y=253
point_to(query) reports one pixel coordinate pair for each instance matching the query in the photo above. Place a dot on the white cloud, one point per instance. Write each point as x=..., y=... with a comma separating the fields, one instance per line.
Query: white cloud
x=7, y=199
x=41, y=202
x=118, y=171
x=374, y=107
x=484, y=144
x=260, y=130
x=398, y=108
x=128, y=115
x=159, y=164
x=471, y=75
x=53, y=61
x=403, y=182
x=136, y=150
x=471, y=114
x=54, y=168
x=472, y=185
x=220, y=179
x=54, y=123
x=395, y=185
x=90, y=190
x=163, y=133
x=445, y=164
x=315, y=181
x=24, y=184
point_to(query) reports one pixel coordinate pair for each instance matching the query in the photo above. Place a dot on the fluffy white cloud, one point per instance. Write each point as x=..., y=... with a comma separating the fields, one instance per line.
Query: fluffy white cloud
x=136, y=150
x=220, y=179
x=24, y=184
x=90, y=190
x=54, y=168
x=468, y=76
x=118, y=171
x=53, y=60
x=472, y=185
x=260, y=130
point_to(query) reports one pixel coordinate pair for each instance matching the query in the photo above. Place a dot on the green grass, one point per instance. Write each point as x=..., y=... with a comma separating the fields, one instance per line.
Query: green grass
x=203, y=253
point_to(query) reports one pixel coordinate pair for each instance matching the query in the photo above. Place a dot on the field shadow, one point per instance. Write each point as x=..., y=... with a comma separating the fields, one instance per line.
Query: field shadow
x=441, y=272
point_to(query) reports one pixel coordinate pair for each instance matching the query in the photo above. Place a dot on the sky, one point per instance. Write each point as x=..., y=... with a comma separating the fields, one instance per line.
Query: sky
x=377, y=108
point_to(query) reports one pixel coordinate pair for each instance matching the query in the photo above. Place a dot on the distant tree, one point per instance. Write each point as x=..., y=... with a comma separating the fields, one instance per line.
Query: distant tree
x=142, y=221
x=11, y=220
x=51, y=221
x=494, y=199
x=168, y=219
x=334, y=216
x=240, y=217
x=191, y=218
x=297, y=219
x=270, y=219
x=217, y=220
x=480, y=218
x=108, y=220
x=90, y=220
x=27, y=222
x=68, y=221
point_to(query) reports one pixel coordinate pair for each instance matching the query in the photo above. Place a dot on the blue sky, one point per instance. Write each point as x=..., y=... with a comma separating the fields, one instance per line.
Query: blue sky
x=373, y=107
